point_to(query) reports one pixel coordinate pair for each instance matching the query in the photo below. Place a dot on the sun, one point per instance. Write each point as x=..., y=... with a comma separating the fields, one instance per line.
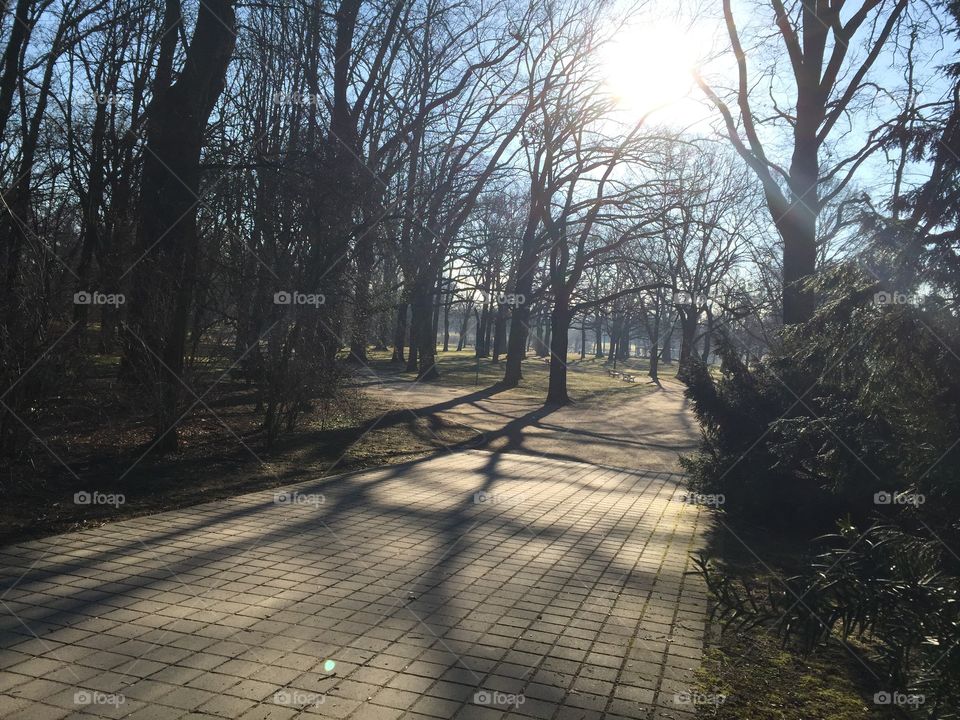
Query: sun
x=650, y=68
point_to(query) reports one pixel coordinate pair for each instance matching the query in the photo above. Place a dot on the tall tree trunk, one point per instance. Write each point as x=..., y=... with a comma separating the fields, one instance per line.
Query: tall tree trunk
x=667, y=353
x=519, y=321
x=543, y=339
x=435, y=318
x=688, y=330
x=499, y=333
x=20, y=31
x=92, y=205
x=798, y=225
x=559, y=326
x=361, y=299
x=654, y=322
x=164, y=280
x=464, y=326
x=446, y=322
x=623, y=344
x=426, y=343
x=481, y=348
x=707, y=336
x=15, y=213
x=399, y=333
x=413, y=351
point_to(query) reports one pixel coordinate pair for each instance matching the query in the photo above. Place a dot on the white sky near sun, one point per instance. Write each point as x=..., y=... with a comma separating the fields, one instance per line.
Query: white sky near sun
x=649, y=65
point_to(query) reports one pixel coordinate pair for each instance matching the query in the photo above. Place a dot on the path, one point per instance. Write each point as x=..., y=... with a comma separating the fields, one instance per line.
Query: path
x=470, y=585
x=647, y=430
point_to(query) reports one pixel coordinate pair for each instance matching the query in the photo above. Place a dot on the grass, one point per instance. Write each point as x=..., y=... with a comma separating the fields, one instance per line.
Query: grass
x=587, y=379
x=213, y=463
x=764, y=681
x=761, y=678
x=97, y=438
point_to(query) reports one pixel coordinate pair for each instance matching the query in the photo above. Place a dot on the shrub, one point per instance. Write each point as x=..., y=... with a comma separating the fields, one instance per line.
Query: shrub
x=900, y=591
x=853, y=414
x=858, y=401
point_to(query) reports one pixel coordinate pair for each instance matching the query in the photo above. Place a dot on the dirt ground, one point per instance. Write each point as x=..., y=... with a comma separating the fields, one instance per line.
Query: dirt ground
x=646, y=427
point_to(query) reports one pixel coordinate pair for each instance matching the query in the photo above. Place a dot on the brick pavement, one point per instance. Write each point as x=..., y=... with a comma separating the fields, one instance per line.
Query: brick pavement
x=469, y=585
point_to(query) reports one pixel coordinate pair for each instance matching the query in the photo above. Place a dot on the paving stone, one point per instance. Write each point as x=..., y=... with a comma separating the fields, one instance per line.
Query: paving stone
x=398, y=597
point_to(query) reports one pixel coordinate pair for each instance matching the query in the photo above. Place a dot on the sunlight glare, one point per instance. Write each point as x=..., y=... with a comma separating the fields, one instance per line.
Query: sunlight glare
x=651, y=68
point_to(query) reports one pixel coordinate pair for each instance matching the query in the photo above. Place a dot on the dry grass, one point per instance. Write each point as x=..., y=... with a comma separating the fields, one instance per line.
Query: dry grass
x=587, y=379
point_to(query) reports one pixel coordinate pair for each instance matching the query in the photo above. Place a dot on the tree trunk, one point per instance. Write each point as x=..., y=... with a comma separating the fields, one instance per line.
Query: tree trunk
x=559, y=326
x=170, y=184
x=480, y=346
x=446, y=322
x=20, y=30
x=519, y=321
x=488, y=335
x=361, y=299
x=499, y=334
x=688, y=330
x=667, y=353
x=92, y=205
x=798, y=228
x=464, y=326
x=516, y=346
x=426, y=343
x=707, y=336
x=413, y=328
x=623, y=346
x=654, y=353
x=399, y=333
x=435, y=317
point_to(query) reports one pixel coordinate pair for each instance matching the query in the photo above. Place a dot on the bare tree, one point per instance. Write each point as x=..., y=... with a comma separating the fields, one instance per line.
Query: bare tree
x=165, y=278
x=830, y=47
